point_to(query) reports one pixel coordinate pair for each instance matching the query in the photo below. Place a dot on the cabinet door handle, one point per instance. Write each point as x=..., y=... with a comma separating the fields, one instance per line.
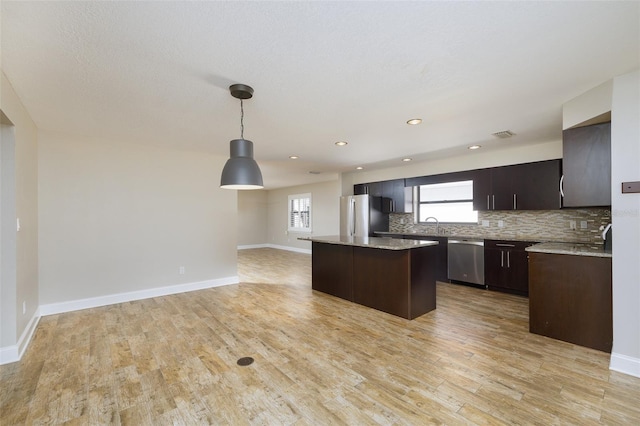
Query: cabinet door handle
x=488, y=207
x=494, y=201
x=562, y=186
x=508, y=260
x=501, y=259
x=505, y=245
x=515, y=201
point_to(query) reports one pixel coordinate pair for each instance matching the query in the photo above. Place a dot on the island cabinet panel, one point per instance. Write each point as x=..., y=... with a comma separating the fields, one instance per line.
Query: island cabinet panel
x=332, y=266
x=399, y=282
x=423, y=277
x=442, y=257
x=570, y=299
x=382, y=280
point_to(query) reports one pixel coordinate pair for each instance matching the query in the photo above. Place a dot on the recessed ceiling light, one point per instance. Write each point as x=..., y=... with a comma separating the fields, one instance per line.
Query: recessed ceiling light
x=341, y=143
x=475, y=147
x=293, y=157
x=359, y=168
x=406, y=159
x=414, y=121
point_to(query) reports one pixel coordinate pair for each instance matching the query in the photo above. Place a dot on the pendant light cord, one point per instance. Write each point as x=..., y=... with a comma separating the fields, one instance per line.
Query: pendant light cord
x=241, y=120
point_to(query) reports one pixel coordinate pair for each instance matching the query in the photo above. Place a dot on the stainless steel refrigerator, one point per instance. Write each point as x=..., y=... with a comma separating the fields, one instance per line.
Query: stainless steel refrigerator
x=361, y=216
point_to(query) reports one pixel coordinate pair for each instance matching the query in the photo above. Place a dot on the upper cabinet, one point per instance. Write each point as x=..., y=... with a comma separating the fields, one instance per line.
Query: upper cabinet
x=529, y=186
x=391, y=195
x=586, y=153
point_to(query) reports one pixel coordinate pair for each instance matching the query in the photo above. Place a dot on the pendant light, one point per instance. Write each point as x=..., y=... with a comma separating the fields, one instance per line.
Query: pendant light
x=241, y=171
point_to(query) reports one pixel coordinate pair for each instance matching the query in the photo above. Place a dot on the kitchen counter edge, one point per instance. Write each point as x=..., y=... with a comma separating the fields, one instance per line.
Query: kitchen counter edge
x=383, y=243
x=575, y=249
x=551, y=247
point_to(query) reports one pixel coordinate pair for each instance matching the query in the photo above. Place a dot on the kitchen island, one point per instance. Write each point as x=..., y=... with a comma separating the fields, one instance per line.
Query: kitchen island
x=391, y=275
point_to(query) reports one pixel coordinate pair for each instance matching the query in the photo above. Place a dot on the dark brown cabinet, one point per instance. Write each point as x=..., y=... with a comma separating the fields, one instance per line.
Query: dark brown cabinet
x=361, y=189
x=399, y=282
x=586, y=153
x=333, y=269
x=506, y=266
x=529, y=186
x=570, y=299
x=390, y=196
x=441, y=261
x=538, y=186
x=482, y=190
x=393, y=193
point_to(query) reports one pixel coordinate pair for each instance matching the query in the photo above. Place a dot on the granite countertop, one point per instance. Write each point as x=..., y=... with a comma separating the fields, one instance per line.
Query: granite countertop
x=552, y=247
x=475, y=237
x=577, y=249
x=371, y=242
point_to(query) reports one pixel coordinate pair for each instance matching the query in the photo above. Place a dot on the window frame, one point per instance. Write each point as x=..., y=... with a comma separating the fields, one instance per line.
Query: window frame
x=291, y=212
x=421, y=203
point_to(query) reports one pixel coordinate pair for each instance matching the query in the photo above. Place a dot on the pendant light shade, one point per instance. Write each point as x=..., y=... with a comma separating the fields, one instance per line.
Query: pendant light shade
x=241, y=171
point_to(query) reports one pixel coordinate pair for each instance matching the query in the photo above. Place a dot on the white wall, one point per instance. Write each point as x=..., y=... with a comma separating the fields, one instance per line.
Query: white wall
x=16, y=326
x=472, y=160
x=119, y=218
x=625, y=212
x=252, y=218
x=325, y=213
x=8, y=307
x=593, y=103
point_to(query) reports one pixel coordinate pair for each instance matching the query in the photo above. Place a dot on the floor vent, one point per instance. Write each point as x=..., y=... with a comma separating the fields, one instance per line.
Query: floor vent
x=243, y=362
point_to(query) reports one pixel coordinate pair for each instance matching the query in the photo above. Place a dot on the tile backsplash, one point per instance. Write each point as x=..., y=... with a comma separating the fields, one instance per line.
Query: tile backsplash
x=533, y=225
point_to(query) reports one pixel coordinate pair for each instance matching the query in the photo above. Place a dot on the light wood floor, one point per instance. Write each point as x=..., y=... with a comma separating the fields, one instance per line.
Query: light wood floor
x=318, y=360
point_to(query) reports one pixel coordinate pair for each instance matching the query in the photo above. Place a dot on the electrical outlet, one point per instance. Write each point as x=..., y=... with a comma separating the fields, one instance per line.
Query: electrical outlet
x=501, y=224
x=181, y=270
x=583, y=224
x=485, y=223
x=572, y=224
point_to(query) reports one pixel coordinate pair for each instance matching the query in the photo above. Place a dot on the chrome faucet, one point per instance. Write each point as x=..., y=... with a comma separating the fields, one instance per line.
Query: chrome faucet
x=437, y=223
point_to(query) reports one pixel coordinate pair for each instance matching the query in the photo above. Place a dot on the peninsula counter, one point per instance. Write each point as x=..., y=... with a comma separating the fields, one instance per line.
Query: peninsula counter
x=391, y=275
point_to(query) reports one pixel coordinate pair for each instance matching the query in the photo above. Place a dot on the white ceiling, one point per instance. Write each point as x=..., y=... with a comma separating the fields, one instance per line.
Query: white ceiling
x=158, y=73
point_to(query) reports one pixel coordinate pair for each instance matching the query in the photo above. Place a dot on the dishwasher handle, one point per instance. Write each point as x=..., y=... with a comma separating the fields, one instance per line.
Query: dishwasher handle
x=467, y=242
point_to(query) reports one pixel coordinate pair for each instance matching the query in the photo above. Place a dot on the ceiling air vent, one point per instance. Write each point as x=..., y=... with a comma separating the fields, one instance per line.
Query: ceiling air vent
x=503, y=134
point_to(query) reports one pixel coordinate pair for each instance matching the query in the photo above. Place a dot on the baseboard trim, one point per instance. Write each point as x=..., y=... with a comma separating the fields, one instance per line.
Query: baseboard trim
x=276, y=246
x=14, y=353
x=94, y=302
x=625, y=364
x=253, y=246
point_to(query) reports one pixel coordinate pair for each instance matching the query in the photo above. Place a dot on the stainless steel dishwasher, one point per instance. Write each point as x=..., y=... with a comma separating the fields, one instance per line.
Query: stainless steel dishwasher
x=466, y=260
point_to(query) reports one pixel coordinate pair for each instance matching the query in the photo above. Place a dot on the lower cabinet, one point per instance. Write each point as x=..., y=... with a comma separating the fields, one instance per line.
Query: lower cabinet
x=570, y=299
x=506, y=266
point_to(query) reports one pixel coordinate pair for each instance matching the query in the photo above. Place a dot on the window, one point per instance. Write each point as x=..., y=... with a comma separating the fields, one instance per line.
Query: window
x=448, y=202
x=300, y=213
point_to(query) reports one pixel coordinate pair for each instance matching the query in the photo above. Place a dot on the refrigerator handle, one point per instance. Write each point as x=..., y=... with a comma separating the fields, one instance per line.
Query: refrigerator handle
x=352, y=206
